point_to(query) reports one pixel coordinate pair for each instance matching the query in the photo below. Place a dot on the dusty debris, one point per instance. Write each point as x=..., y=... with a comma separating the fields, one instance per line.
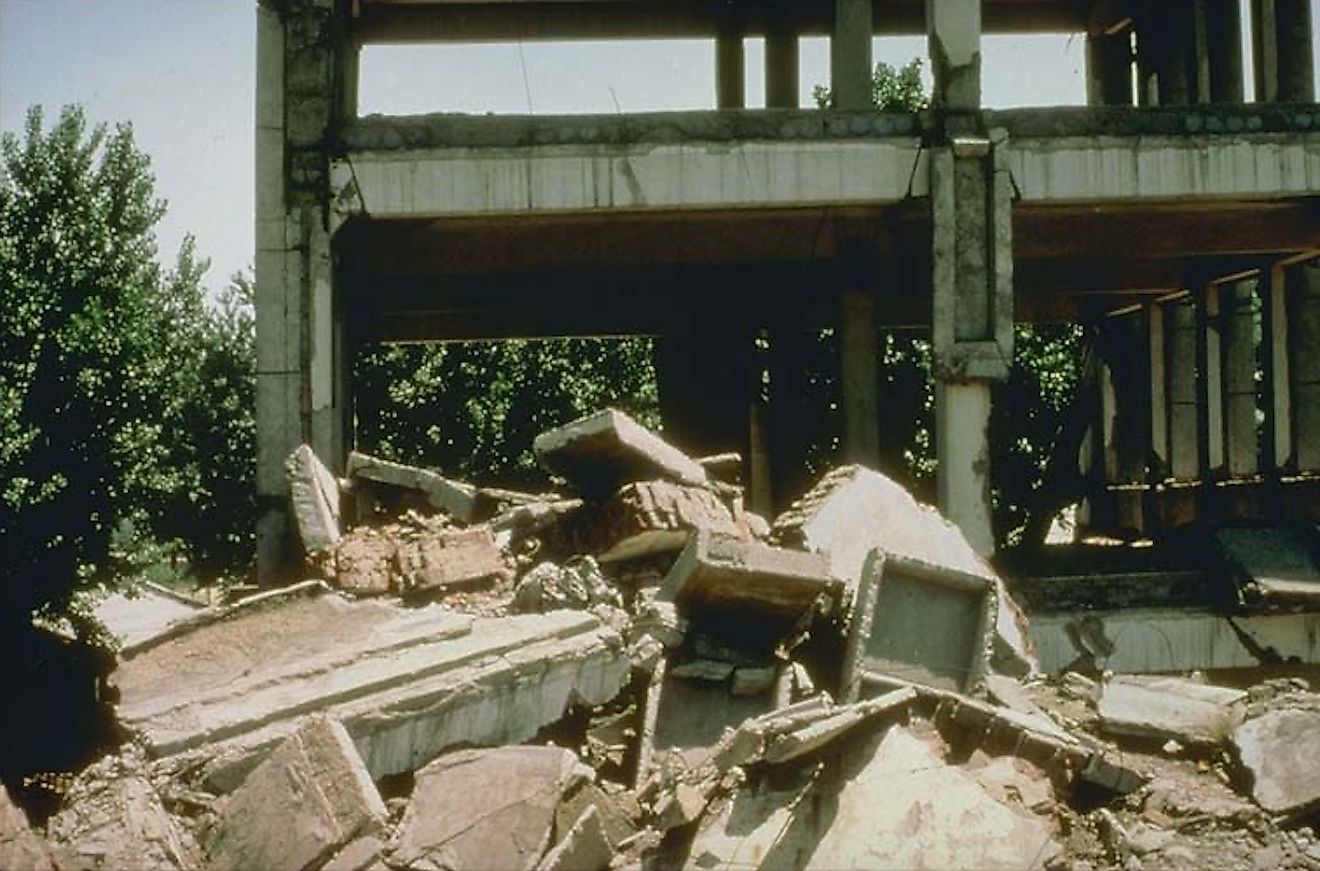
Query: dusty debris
x=600, y=453
x=456, y=499
x=1163, y=708
x=448, y=559
x=577, y=583
x=1277, y=752
x=20, y=847
x=650, y=517
x=314, y=497
x=310, y=797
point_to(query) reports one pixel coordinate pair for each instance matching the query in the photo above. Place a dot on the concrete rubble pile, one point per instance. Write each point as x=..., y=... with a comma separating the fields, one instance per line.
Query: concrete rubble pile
x=637, y=672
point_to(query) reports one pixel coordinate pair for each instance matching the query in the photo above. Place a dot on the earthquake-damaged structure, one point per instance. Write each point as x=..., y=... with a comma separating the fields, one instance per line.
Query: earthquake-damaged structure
x=474, y=685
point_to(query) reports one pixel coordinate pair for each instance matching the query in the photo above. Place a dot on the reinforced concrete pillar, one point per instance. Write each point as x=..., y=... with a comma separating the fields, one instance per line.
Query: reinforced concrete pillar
x=1184, y=445
x=303, y=64
x=859, y=374
x=1237, y=305
x=730, y=66
x=972, y=268
x=1304, y=319
x=1158, y=463
x=1276, y=365
x=1282, y=51
x=1222, y=45
x=1211, y=389
x=850, y=54
x=1166, y=59
x=781, y=60
x=1109, y=68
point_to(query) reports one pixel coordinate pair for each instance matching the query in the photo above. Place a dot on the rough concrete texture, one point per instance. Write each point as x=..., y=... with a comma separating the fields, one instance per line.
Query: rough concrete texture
x=311, y=796
x=365, y=562
x=577, y=583
x=446, y=558
x=650, y=517
x=893, y=803
x=406, y=683
x=719, y=572
x=147, y=613
x=584, y=847
x=1272, y=563
x=1170, y=707
x=486, y=808
x=21, y=849
x=853, y=510
x=113, y=818
x=314, y=495
x=600, y=453
x=456, y=499
x=1277, y=752
x=900, y=599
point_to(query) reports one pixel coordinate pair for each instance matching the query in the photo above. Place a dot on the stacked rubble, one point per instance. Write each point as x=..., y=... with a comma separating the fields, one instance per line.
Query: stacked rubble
x=639, y=673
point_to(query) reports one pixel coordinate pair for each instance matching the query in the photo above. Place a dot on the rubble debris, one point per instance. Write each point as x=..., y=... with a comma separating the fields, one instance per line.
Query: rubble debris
x=725, y=467
x=718, y=573
x=900, y=601
x=113, y=818
x=406, y=683
x=583, y=848
x=144, y=613
x=444, y=559
x=1163, y=708
x=310, y=797
x=650, y=517
x=577, y=583
x=456, y=499
x=600, y=453
x=365, y=563
x=489, y=808
x=853, y=510
x=314, y=495
x=1277, y=752
x=21, y=849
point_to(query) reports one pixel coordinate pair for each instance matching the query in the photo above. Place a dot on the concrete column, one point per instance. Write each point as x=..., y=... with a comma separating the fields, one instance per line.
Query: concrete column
x=1166, y=53
x=1223, y=50
x=962, y=442
x=1276, y=365
x=302, y=367
x=1239, y=368
x=1211, y=395
x=730, y=66
x=1125, y=400
x=781, y=62
x=1304, y=319
x=1282, y=51
x=850, y=54
x=1184, y=446
x=1158, y=464
x=953, y=30
x=1109, y=68
x=859, y=371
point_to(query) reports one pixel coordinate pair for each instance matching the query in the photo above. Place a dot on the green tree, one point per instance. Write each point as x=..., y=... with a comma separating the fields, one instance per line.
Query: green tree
x=90, y=359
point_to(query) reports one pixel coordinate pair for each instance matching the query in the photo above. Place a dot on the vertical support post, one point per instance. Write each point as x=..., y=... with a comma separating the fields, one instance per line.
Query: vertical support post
x=1265, y=50
x=1109, y=68
x=781, y=60
x=1304, y=319
x=860, y=377
x=1158, y=464
x=1293, y=51
x=953, y=30
x=1212, y=384
x=850, y=54
x=1166, y=53
x=1277, y=372
x=730, y=66
x=962, y=443
x=1184, y=446
x=1223, y=42
x=1237, y=319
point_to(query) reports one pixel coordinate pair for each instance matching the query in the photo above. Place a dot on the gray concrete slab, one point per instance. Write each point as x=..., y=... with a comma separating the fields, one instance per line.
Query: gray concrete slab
x=1276, y=752
x=650, y=517
x=455, y=498
x=314, y=494
x=600, y=453
x=1169, y=707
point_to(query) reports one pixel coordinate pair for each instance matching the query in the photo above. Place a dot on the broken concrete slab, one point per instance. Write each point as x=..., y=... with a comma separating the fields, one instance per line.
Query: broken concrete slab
x=366, y=562
x=145, y=613
x=650, y=517
x=584, y=847
x=1272, y=564
x=406, y=683
x=311, y=796
x=578, y=583
x=810, y=737
x=455, y=498
x=600, y=453
x=1277, y=754
x=21, y=849
x=723, y=574
x=360, y=854
x=113, y=818
x=314, y=496
x=490, y=808
x=853, y=510
x=442, y=559
x=920, y=622
x=1161, y=708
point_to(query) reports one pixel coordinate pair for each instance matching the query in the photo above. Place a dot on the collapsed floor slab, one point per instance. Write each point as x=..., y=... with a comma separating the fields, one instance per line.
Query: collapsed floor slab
x=406, y=683
x=600, y=453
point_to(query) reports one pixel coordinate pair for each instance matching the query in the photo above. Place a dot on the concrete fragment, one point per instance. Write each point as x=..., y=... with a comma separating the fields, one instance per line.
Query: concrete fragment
x=456, y=499
x=920, y=622
x=21, y=849
x=442, y=559
x=1012, y=781
x=359, y=854
x=485, y=808
x=650, y=517
x=314, y=496
x=113, y=818
x=614, y=819
x=703, y=669
x=365, y=562
x=1168, y=707
x=694, y=715
x=731, y=575
x=578, y=583
x=752, y=681
x=813, y=736
x=148, y=612
x=600, y=453
x=1277, y=754
x=680, y=807
x=583, y=848
x=406, y=682
x=310, y=797
x=853, y=510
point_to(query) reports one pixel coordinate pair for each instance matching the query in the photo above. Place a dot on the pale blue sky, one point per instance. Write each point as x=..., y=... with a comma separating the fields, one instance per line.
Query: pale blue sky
x=182, y=72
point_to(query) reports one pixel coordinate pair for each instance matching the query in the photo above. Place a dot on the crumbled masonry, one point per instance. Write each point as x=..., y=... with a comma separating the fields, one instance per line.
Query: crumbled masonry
x=645, y=677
